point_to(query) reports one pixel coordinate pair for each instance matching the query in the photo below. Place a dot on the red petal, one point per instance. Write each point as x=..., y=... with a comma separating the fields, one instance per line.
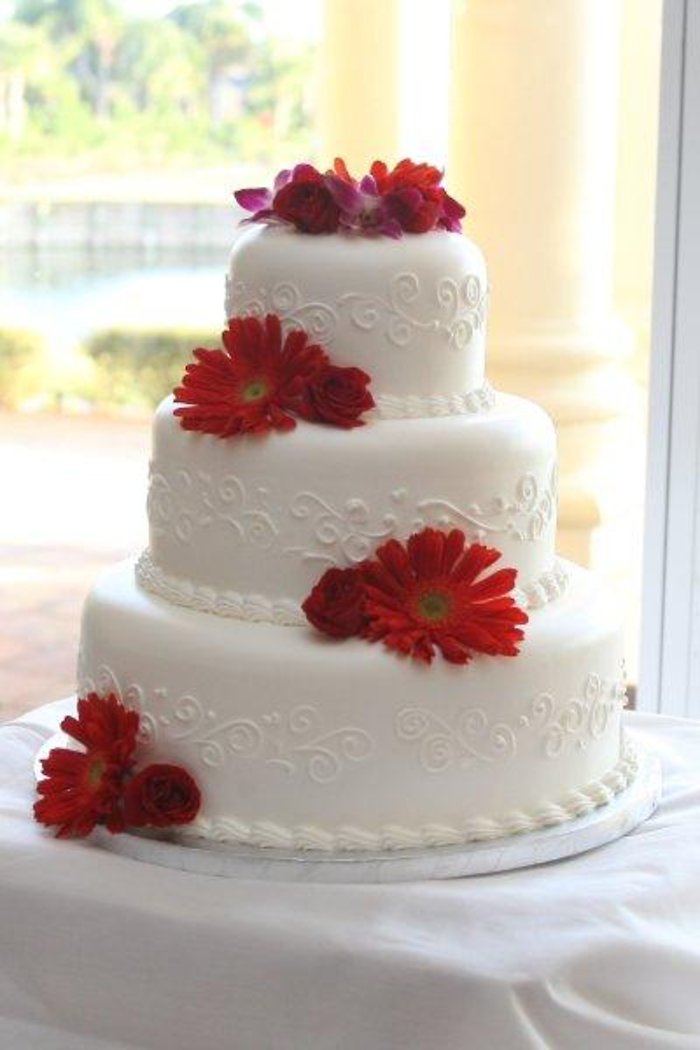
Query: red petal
x=394, y=560
x=273, y=333
x=341, y=169
x=279, y=419
x=454, y=546
x=453, y=652
x=493, y=586
x=104, y=724
x=475, y=559
x=425, y=549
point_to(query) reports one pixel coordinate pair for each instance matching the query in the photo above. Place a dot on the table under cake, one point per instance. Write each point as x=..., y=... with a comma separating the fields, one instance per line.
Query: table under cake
x=103, y=952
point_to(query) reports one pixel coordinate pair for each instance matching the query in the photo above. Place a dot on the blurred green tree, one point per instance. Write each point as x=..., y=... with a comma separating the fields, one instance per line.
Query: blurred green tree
x=159, y=70
x=229, y=53
x=206, y=81
x=89, y=32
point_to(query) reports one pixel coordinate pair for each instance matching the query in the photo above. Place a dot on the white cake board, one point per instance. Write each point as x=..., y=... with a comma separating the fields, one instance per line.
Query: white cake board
x=605, y=824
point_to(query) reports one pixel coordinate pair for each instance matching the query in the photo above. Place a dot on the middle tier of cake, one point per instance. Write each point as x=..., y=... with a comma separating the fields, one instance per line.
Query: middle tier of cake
x=247, y=526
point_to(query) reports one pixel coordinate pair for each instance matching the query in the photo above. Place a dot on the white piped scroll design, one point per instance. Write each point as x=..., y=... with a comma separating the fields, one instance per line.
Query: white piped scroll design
x=184, y=501
x=469, y=739
x=318, y=319
x=297, y=741
x=350, y=532
x=579, y=721
x=526, y=515
x=346, y=530
x=455, y=310
x=468, y=736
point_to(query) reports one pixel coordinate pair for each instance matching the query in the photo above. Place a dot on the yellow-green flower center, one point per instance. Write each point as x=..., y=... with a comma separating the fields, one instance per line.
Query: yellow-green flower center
x=95, y=771
x=256, y=389
x=434, y=605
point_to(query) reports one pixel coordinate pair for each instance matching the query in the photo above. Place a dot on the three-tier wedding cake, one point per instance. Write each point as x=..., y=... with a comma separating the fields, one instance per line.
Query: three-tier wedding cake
x=350, y=625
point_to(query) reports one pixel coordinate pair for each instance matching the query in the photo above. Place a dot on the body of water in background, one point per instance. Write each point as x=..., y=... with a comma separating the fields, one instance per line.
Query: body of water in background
x=68, y=293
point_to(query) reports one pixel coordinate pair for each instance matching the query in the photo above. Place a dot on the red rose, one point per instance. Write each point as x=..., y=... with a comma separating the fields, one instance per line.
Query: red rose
x=307, y=202
x=414, y=197
x=338, y=396
x=415, y=210
x=161, y=795
x=336, y=604
x=405, y=173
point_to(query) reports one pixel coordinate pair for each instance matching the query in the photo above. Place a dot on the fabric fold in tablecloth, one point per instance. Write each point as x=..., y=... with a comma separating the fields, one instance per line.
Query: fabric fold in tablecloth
x=601, y=950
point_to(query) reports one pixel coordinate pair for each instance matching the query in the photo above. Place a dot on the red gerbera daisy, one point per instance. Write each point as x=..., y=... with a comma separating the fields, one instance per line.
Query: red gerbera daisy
x=82, y=789
x=427, y=593
x=253, y=384
x=79, y=791
x=104, y=726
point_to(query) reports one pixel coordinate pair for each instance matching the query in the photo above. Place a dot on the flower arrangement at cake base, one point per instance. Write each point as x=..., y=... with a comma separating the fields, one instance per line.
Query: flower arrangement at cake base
x=101, y=785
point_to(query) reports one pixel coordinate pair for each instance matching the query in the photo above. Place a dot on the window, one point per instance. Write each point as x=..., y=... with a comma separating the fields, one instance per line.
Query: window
x=124, y=127
x=671, y=665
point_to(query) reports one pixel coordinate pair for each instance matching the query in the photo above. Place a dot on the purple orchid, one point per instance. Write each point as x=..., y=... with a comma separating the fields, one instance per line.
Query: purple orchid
x=362, y=207
x=260, y=200
x=452, y=212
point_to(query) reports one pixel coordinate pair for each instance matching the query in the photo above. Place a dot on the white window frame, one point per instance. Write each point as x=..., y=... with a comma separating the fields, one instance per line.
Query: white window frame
x=670, y=664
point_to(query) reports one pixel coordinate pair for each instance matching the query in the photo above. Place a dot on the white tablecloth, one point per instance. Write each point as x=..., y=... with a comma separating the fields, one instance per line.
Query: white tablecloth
x=98, y=951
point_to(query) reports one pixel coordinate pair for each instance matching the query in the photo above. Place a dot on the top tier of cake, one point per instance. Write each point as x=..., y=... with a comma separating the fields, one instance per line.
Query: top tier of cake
x=410, y=312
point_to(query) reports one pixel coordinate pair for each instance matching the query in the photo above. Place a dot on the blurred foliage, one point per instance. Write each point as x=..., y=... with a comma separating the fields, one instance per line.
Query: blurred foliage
x=137, y=368
x=206, y=81
x=22, y=366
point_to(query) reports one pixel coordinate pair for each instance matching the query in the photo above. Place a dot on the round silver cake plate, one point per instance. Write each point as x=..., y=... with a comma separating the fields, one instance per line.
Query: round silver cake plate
x=609, y=822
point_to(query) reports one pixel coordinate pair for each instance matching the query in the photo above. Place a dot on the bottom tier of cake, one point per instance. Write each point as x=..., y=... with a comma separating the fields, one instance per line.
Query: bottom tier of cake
x=301, y=742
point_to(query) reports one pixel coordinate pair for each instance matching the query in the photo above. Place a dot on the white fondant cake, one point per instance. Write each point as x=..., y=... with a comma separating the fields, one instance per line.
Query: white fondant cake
x=297, y=740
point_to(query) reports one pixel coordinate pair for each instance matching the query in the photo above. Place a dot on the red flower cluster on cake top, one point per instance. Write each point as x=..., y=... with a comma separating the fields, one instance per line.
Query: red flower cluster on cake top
x=99, y=785
x=428, y=593
x=262, y=381
x=407, y=198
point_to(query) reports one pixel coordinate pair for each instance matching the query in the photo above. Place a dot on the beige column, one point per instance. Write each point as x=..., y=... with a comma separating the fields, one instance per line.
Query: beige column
x=636, y=176
x=535, y=122
x=359, y=89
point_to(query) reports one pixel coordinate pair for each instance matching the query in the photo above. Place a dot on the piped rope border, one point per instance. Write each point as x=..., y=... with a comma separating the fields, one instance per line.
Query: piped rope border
x=575, y=803
x=285, y=612
x=419, y=406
